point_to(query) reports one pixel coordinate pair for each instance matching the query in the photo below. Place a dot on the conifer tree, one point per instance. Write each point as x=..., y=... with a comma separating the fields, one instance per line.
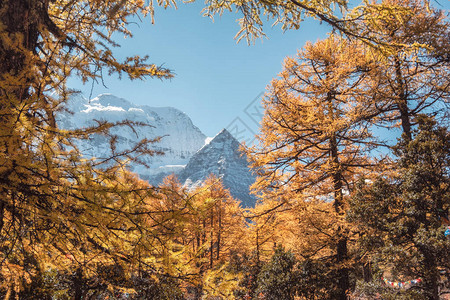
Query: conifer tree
x=413, y=64
x=202, y=228
x=405, y=211
x=221, y=234
x=59, y=210
x=335, y=13
x=314, y=135
x=278, y=277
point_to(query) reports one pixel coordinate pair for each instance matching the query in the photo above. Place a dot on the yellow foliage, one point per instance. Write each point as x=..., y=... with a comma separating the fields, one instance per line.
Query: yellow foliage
x=59, y=210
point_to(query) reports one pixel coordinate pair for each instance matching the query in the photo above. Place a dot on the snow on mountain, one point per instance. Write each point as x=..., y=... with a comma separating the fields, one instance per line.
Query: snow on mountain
x=187, y=151
x=221, y=157
x=181, y=138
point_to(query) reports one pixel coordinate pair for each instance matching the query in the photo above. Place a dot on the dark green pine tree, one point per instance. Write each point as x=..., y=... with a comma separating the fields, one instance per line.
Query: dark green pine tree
x=314, y=280
x=403, y=214
x=278, y=277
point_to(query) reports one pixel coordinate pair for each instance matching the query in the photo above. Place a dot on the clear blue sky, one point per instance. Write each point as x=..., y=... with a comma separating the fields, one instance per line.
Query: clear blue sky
x=215, y=78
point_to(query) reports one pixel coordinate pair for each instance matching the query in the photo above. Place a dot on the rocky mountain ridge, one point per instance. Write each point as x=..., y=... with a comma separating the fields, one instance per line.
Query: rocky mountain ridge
x=188, y=153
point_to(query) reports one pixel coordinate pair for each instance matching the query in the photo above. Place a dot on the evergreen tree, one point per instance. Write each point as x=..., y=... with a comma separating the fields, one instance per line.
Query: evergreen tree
x=278, y=277
x=403, y=213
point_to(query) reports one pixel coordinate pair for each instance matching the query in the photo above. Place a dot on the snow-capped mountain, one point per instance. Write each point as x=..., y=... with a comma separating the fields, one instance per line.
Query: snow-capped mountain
x=221, y=157
x=181, y=138
x=187, y=151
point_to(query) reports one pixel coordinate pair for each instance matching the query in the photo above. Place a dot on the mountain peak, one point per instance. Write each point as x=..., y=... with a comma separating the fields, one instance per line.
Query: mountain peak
x=111, y=100
x=181, y=138
x=222, y=140
x=181, y=143
x=224, y=135
x=224, y=131
x=223, y=158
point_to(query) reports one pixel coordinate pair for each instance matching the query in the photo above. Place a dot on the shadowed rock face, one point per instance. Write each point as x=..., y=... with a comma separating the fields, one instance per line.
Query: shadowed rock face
x=221, y=157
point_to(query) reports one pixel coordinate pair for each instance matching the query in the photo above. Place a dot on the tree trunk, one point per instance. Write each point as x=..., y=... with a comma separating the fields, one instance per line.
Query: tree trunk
x=20, y=18
x=343, y=277
x=341, y=247
x=18, y=40
x=219, y=229
x=431, y=278
x=257, y=246
x=2, y=211
x=211, y=243
x=402, y=101
x=78, y=285
x=197, y=235
x=367, y=272
x=204, y=231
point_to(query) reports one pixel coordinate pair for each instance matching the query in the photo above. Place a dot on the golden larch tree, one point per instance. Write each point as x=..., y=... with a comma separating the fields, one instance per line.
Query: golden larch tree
x=314, y=138
x=59, y=210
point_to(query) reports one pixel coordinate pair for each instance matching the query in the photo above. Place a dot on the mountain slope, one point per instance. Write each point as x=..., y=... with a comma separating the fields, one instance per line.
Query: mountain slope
x=221, y=157
x=183, y=144
x=181, y=138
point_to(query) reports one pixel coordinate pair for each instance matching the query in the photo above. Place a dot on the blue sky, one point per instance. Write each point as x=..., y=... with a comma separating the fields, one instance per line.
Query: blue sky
x=215, y=78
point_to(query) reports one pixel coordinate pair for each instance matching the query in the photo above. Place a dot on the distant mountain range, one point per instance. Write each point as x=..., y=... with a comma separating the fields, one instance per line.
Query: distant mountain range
x=187, y=151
